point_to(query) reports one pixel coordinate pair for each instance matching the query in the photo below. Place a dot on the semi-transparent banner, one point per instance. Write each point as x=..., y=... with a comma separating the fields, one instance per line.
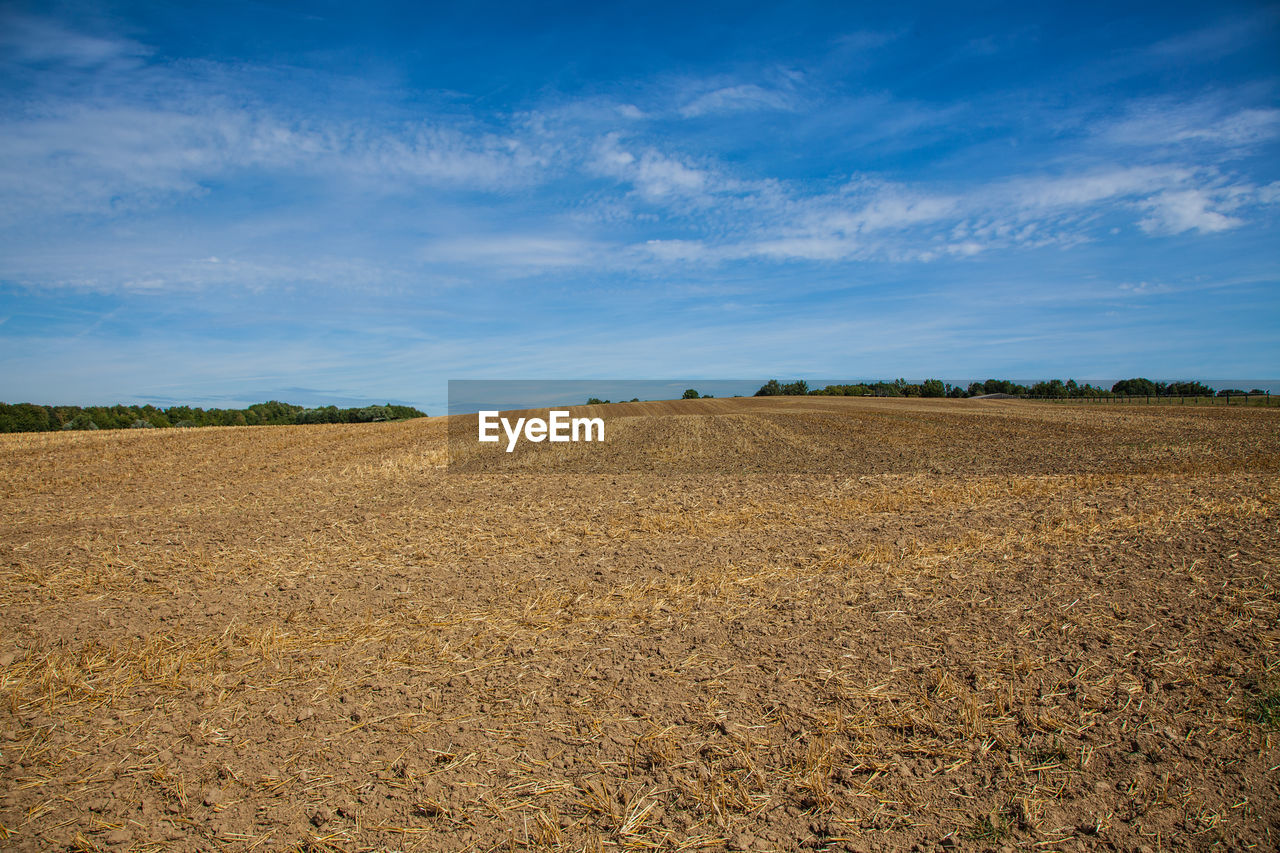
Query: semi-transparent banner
x=674, y=427
x=596, y=425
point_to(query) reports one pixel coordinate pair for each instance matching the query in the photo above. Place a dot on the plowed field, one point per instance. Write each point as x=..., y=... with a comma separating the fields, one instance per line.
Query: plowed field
x=793, y=624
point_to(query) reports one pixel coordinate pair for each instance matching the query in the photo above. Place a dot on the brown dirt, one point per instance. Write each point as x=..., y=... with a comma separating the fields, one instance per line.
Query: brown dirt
x=980, y=626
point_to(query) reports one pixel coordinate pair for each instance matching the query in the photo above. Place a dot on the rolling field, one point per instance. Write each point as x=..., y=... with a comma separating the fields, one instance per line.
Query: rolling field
x=760, y=624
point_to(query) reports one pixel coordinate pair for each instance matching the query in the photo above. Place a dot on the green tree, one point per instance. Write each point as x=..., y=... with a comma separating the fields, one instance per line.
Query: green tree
x=80, y=421
x=690, y=394
x=887, y=389
x=28, y=417
x=1138, y=387
x=1052, y=388
x=997, y=386
x=1188, y=389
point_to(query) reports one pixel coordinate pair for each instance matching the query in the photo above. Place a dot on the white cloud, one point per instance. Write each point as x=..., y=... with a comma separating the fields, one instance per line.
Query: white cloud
x=1214, y=41
x=1177, y=211
x=1270, y=194
x=657, y=176
x=443, y=155
x=891, y=206
x=68, y=158
x=654, y=175
x=80, y=160
x=39, y=41
x=515, y=254
x=731, y=99
x=810, y=248
x=869, y=219
x=966, y=249
x=1206, y=121
x=1081, y=190
x=1145, y=288
x=672, y=251
x=104, y=133
x=158, y=134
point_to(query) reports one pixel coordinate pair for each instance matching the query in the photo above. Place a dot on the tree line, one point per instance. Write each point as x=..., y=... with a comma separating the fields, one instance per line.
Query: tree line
x=31, y=417
x=1137, y=387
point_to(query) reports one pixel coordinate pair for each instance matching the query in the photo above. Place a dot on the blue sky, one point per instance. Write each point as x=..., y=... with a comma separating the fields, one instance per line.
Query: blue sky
x=332, y=202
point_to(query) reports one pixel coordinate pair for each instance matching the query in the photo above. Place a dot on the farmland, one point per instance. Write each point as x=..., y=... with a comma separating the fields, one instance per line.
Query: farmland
x=765, y=624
